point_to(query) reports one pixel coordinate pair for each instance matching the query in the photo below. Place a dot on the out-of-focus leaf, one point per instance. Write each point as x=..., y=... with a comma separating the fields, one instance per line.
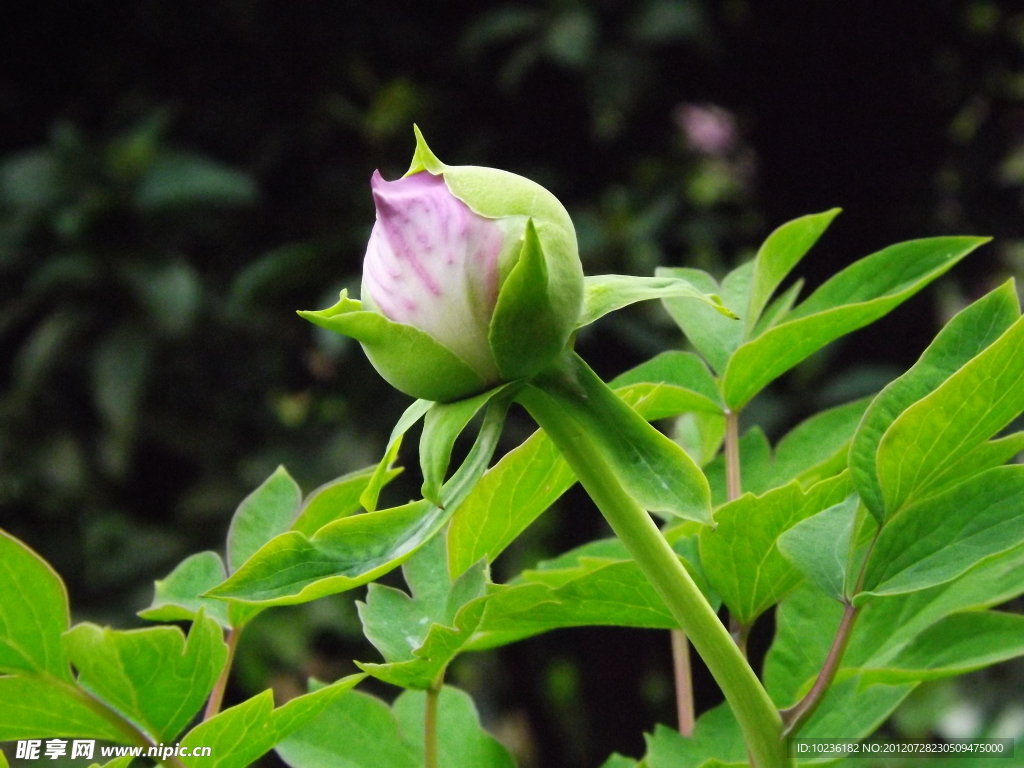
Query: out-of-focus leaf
x=179, y=179
x=120, y=368
x=154, y=677
x=33, y=612
x=31, y=180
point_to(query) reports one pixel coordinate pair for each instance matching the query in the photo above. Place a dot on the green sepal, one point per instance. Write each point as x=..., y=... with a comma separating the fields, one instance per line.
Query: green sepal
x=528, y=327
x=606, y=293
x=423, y=158
x=441, y=426
x=405, y=356
x=368, y=498
x=654, y=470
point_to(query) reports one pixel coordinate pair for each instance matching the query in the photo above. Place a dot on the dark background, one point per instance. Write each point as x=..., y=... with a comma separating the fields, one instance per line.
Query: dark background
x=177, y=178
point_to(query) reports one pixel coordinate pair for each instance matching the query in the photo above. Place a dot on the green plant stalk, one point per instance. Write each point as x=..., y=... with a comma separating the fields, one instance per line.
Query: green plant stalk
x=430, y=727
x=754, y=710
x=217, y=694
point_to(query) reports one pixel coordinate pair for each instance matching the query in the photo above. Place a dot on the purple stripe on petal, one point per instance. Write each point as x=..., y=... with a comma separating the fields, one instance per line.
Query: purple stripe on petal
x=433, y=263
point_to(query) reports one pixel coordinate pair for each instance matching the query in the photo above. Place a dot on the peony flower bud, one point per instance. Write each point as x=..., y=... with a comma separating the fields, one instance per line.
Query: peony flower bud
x=471, y=278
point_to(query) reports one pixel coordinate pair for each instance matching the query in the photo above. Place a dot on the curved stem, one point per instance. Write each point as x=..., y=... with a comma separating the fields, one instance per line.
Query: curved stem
x=757, y=716
x=217, y=694
x=684, y=681
x=799, y=713
x=430, y=728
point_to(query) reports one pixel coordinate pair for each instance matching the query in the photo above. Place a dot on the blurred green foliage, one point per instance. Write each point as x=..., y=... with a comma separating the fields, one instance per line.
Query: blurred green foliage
x=176, y=180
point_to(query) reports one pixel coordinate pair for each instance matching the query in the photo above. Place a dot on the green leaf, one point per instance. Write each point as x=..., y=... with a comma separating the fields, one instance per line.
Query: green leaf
x=460, y=739
x=45, y=708
x=778, y=309
x=806, y=621
x=616, y=760
x=531, y=477
x=680, y=369
x=184, y=179
x=701, y=435
x=383, y=472
x=817, y=447
x=442, y=425
x=714, y=335
x=941, y=537
x=851, y=708
x=855, y=297
x=293, y=568
x=371, y=738
x=716, y=736
x=603, y=294
x=178, y=597
x=33, y=612
x=419, y=635
x=740, y=555
x=594, y=585
x=965, y=411
x=967, y=334
x=239, y=736
x=154, y=677
x=955, y=645
x=993, y=453
x=528, y=327
x=117, y=762
x=777, y=256
x=756, y=463
x=651, y=468
x=819, y=547
x=337, y=498
x=392, y=346
x=262, y=515
x=511, y=495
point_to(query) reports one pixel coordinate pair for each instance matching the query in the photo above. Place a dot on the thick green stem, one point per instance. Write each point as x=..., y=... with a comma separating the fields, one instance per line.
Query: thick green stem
x=684, y=681
x=430, y=727
x=733, y=490
x=757, y=716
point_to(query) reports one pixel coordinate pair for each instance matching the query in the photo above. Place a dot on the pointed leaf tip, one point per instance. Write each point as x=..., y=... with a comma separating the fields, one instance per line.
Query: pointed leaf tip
x=423, y=159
